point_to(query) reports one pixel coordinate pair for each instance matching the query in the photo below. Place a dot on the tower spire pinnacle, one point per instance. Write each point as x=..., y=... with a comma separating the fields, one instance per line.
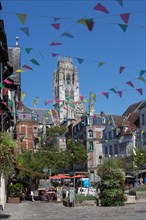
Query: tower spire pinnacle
x=91, y=105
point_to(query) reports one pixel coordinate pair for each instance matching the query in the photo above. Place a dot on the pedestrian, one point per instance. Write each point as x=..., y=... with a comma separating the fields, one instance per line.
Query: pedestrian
x=32, y=196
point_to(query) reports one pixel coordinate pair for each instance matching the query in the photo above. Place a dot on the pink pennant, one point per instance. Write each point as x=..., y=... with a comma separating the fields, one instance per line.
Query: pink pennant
x=55, y=44
x=56, y=26
x=57, y=100
x=4, y=103
x=140, y=91
x=5, y=91
x=81, y=97
x=100, y=7
x=130, y=84
x=125, y=17
x=48, y=102
x=106, y=94
x=65, y=107
x=27, y=67
x=7, y=81
x=120, y=93
x=121, y=69
x=1, y=112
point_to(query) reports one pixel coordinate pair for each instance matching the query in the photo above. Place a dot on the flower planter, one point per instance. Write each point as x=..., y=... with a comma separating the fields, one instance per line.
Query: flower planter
x=14, y=200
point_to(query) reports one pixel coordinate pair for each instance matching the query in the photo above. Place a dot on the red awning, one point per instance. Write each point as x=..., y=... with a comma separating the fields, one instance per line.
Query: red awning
x=60, y=177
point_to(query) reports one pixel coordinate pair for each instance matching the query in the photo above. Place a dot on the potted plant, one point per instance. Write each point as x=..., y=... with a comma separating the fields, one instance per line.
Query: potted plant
x=14, y=191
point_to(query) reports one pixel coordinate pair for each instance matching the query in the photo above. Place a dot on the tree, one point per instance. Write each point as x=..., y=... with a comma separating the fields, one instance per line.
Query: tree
x=112, y=183
x=139, y=157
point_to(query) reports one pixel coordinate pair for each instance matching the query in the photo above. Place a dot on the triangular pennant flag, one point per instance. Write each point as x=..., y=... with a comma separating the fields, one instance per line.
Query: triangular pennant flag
x=123, y=27
x=34, y=62
x=57, y=100
x=48, y=102
x=56, y=19
x=4, y=103
x=142, y=72
x=106, y=94
x=22, y=17
x=65, y=107
x=66, y=34
x=119, y=93
x=85, y=100
x=5, y=91
x=2, y=86
x=120, y=2
x=49, y=113
x=54, y=54
x=80, y=60
x=22, y=96
x=55, y=44
x=28, y=50
x=141, y=78
x=101, y=64
x=125, y=17
x=140, y=91
x=10, y=103
x=100, y=7
x=27, y=67
x=90, y=23
x=35, y=102
x=81, y=97
x=19, y=71
x=130, y=84
x=56, y=26
x=94, y=96
x=68, y=98
x=72, y=105
x=113, y=90
x=7, y=81
x=25, y=30
x=121, y=69
x=60, y=106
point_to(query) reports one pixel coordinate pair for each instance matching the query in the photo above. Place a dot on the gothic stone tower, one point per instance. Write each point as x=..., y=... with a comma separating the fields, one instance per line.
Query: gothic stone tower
x=66, y=91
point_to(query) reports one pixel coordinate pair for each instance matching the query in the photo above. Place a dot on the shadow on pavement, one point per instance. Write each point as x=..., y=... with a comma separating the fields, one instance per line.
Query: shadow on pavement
x=4, y=216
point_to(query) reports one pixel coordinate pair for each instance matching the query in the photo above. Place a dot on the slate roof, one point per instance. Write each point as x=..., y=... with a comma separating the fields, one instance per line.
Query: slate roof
x=133, y=108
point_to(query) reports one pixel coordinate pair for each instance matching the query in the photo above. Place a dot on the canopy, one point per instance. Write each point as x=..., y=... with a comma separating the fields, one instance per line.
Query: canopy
x=60, y=177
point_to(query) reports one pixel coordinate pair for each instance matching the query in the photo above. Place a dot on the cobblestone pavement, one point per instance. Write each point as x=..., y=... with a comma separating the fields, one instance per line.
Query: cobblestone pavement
x=52, y=211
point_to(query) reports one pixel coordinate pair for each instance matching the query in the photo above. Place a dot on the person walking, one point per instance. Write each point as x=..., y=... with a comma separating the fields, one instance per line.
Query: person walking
x=32, y=196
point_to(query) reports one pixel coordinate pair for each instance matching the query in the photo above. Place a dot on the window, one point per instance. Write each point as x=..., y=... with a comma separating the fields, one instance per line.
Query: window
x=90, y=120
x=142, y=119
x=72, y=94
x=91, y=147
x=106, y=151
x=90, y=134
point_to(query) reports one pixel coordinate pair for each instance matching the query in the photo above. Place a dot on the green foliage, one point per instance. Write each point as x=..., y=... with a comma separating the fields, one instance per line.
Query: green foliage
x=84, y=198
x=6, y=153
x=139, y=157
x=14, y=190
x=112, y=183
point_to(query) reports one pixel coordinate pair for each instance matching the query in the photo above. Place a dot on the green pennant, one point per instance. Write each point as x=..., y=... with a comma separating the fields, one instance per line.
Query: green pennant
x=25, y=30
x=10, y=103
x=34, y=62
x=101, y=64
x=94, y=96
x=28, y=50
x=72, y=105
x=142, y=72
x=123, y=27
x=113, y=90
x=141, y=78
x=2, y=86
x=22, y=17
x=68, y=98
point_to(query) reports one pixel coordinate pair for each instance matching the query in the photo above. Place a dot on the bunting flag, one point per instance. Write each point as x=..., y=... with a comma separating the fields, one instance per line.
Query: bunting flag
x=4, y=103
x=55, y=44
x=142, y=72
x=123, y=27
x=72, y=105
x=89, y=23
x=10, y=103
x=66, y=34
x=60, y=106
x=54, y=54
x=80, y=60
x=19, y=71
x=94, y=97
x=28, y=50
x=22, y=96
x=113, y=90
x=130, y=84
x=25, y=30
x=22, y=17
x=49, y=112
x=140, y=91
x=120, y=2
x=5, y=91
x=100, y=7
x=57, y=100
x=85, y=100
x=81, y=97
x=2, y=86
x=120, y=93
x=56, y=26
x=121, y=69
x=8, y=82
x=106, y=94
x=65, y=108
x=125, y=17
x=68, y=98
x=48, y=102
x=101, y=64
x=27, y=67
x=34, y=62
x=142, y=79
x=35, y=102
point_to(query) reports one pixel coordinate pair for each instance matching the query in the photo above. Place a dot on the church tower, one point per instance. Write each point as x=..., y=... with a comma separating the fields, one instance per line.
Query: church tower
x=66, y=91
x=91, y=105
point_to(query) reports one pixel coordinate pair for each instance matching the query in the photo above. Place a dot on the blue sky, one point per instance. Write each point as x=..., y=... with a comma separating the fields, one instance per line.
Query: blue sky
x=107, y=43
